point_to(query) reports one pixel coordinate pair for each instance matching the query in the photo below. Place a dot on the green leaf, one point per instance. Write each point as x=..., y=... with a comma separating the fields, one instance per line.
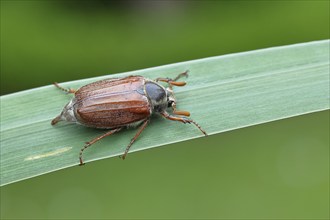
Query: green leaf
x=222, y=93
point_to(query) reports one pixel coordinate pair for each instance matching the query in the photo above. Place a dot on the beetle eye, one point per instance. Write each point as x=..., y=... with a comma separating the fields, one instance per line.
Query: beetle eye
x=170, y=103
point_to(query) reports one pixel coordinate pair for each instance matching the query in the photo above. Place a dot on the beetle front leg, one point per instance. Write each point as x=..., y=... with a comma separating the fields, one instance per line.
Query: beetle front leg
x=184, y=74
x=88, y=144
x=64, y=89
x=141, y=128
x=183, y=120
x=173, y=82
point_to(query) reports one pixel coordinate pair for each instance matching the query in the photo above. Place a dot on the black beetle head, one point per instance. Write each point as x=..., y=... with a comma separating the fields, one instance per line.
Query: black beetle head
x=170, y=98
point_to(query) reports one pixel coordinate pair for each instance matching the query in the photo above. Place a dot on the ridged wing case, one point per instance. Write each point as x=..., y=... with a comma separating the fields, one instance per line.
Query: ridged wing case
x=112, y=103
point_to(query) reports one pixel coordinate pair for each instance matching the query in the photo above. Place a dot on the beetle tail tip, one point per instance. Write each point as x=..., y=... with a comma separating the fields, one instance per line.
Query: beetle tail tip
x=57, y=119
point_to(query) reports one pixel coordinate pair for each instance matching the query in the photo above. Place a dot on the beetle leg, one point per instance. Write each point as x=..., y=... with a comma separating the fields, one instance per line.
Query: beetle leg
x=173, y=82
x=183, y=120
x=141, y=128
x=88, y=144
x=185, y=73
x=64, y=89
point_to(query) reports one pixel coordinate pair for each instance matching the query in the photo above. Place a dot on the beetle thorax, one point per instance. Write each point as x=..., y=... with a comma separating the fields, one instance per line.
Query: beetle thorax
x=157, y=95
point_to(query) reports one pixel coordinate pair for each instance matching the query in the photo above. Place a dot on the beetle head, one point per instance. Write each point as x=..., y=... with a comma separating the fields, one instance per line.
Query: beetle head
x=171, y=101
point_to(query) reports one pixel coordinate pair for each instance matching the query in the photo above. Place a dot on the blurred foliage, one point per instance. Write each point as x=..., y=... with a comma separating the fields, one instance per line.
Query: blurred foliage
x=276, y=170
x=46, y=41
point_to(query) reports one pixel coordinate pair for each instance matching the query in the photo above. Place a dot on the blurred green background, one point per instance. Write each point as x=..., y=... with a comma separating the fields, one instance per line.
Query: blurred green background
x=274, y=170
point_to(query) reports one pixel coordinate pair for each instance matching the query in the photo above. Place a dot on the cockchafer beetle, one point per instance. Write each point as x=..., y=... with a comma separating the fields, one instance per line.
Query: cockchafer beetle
x=117, y=103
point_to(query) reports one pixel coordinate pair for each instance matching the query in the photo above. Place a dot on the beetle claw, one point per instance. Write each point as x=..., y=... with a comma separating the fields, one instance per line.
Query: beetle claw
x=81, y=162
x=186, y=120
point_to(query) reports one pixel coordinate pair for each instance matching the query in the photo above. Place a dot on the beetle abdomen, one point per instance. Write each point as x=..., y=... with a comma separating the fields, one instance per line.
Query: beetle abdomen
x=112, y=103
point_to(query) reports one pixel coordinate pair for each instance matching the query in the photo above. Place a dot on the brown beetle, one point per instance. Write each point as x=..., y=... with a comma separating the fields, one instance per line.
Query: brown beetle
x=122, y=102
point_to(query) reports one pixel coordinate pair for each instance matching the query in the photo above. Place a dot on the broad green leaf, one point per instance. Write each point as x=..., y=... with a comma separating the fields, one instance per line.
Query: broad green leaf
x=222, y=93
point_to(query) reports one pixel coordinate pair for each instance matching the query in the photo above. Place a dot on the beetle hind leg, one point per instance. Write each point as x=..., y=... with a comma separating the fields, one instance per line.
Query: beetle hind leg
x=90, y=143
x=141, y=128
x=64, y=89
